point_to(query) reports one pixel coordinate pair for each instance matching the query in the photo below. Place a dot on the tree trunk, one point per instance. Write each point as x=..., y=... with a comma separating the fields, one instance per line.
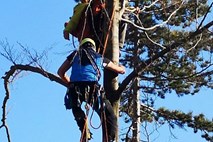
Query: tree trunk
x=112, y=53
x=136, y=111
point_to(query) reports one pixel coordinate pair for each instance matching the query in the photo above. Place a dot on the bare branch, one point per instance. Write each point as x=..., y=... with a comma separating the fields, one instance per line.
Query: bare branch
x=7, y=52
x=153, y=27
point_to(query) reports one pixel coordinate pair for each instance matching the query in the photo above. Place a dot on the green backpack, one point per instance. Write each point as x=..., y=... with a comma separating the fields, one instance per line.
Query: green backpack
x=72, y=25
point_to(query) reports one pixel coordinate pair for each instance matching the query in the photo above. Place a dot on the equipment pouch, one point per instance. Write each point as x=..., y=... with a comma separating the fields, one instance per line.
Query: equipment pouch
x=67, y=100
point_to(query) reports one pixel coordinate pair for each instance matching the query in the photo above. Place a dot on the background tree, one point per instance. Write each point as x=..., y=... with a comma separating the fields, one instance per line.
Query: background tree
x=183, y=69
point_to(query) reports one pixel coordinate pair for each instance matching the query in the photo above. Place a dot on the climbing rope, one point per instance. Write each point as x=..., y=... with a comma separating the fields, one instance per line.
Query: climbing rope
x=84, y=134
x=102, y=113
x=108, y=31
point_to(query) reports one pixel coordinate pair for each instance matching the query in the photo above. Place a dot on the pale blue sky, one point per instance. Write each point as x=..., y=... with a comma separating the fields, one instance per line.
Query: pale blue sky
x=35, y=110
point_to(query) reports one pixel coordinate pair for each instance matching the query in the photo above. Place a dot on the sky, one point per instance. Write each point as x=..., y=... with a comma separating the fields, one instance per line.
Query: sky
x=36, y=111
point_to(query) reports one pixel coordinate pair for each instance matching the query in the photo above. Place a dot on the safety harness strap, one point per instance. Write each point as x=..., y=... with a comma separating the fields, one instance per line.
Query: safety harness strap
x=95, y=66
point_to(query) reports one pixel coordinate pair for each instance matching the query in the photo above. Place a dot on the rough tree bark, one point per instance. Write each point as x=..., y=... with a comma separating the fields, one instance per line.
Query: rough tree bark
x=112, y=53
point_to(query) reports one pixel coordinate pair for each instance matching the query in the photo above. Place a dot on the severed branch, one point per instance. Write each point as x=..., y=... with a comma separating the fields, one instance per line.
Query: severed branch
x=38, y=70
x=6, y=78
x=4, y=124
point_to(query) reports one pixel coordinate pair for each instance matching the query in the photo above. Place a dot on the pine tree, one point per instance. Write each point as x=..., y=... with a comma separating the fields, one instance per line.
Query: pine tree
x=185, y=69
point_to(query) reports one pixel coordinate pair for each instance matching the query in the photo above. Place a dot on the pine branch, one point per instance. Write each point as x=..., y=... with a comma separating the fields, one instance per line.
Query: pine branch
x=141, y=67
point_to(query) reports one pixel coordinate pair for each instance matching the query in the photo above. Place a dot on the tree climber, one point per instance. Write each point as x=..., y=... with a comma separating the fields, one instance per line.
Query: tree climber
x=86, y=66
x=86, y=22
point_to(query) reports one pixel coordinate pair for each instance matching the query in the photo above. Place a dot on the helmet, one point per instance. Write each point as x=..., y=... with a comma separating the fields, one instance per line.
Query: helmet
x=88, y=40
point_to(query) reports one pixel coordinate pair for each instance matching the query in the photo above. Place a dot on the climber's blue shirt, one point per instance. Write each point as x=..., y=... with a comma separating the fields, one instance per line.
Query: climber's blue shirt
x=82, y=69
